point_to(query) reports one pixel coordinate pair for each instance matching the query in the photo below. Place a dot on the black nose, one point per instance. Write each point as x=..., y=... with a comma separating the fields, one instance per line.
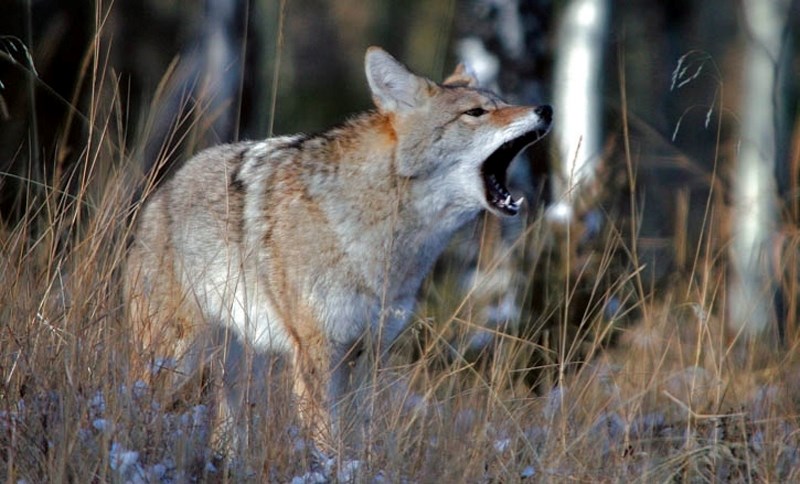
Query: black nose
x=545, y=112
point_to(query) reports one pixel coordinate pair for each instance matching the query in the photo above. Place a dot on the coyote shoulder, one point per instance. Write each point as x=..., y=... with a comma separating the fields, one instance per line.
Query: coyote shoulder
x=304, y=244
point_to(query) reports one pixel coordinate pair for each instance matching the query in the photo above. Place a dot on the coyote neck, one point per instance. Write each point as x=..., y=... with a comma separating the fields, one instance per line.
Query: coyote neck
x=392, y=229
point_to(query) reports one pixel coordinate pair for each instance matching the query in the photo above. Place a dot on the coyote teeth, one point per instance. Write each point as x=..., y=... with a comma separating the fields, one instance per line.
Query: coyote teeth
x=507, y=201
x=519, y=202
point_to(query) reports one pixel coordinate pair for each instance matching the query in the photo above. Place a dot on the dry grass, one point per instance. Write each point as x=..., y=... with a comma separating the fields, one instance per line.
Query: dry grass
x=678, y=397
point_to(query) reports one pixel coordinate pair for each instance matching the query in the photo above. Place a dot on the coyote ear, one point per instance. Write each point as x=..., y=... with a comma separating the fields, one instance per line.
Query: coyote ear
x=393, y=87
x=462, y=76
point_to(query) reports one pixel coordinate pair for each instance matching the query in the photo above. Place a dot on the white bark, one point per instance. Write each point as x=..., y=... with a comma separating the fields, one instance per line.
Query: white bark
x=577, y=95
x=751, y=300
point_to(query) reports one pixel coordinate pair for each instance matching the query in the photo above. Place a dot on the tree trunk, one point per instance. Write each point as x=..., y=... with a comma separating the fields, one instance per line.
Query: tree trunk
x=578, y=93
x=751, y=293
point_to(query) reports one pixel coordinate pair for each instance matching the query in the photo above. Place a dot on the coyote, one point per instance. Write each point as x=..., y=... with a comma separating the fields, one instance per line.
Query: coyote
x=314, y=245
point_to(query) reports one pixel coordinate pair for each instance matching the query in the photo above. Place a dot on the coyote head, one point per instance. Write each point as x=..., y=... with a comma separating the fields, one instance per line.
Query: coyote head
x=456, y=137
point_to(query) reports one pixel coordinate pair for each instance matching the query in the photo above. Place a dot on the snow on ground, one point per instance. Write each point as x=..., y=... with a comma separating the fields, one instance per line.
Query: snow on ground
x=151, y=444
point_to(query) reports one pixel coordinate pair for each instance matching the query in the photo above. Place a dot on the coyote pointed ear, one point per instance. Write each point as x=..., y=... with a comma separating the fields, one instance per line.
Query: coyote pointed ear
x=461, y=77
x=393, y=87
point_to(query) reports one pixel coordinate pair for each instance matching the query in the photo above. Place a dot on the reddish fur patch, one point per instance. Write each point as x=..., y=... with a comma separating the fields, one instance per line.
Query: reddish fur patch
x=385, y=126
x=363, y=133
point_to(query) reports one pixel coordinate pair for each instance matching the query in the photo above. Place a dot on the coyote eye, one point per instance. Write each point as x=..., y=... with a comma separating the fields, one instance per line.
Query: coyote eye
x=475, y=112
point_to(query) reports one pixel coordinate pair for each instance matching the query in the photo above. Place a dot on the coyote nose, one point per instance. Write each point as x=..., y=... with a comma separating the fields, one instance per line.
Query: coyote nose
x=545, y=112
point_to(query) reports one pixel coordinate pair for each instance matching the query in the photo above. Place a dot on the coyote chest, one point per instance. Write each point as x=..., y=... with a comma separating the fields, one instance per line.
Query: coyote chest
x=307, y=244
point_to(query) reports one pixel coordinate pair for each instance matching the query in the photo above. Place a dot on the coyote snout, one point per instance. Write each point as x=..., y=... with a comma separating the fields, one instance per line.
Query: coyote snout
x=303, y=244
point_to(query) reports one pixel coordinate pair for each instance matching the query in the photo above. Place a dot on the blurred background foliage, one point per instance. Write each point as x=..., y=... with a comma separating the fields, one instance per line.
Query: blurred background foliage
x=319, y=62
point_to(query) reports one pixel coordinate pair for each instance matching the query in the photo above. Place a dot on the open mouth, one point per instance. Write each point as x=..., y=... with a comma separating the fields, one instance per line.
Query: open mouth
x=494, y=172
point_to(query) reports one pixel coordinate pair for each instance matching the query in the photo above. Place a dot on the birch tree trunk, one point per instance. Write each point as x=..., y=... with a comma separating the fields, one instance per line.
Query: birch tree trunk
x=578, y=94
x=751, y=292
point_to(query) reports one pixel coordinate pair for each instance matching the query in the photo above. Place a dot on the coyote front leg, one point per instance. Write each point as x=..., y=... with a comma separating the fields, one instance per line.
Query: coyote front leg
x=321, y=375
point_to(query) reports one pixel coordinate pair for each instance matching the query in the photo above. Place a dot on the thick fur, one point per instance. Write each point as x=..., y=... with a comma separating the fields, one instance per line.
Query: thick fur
x=303, y=245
